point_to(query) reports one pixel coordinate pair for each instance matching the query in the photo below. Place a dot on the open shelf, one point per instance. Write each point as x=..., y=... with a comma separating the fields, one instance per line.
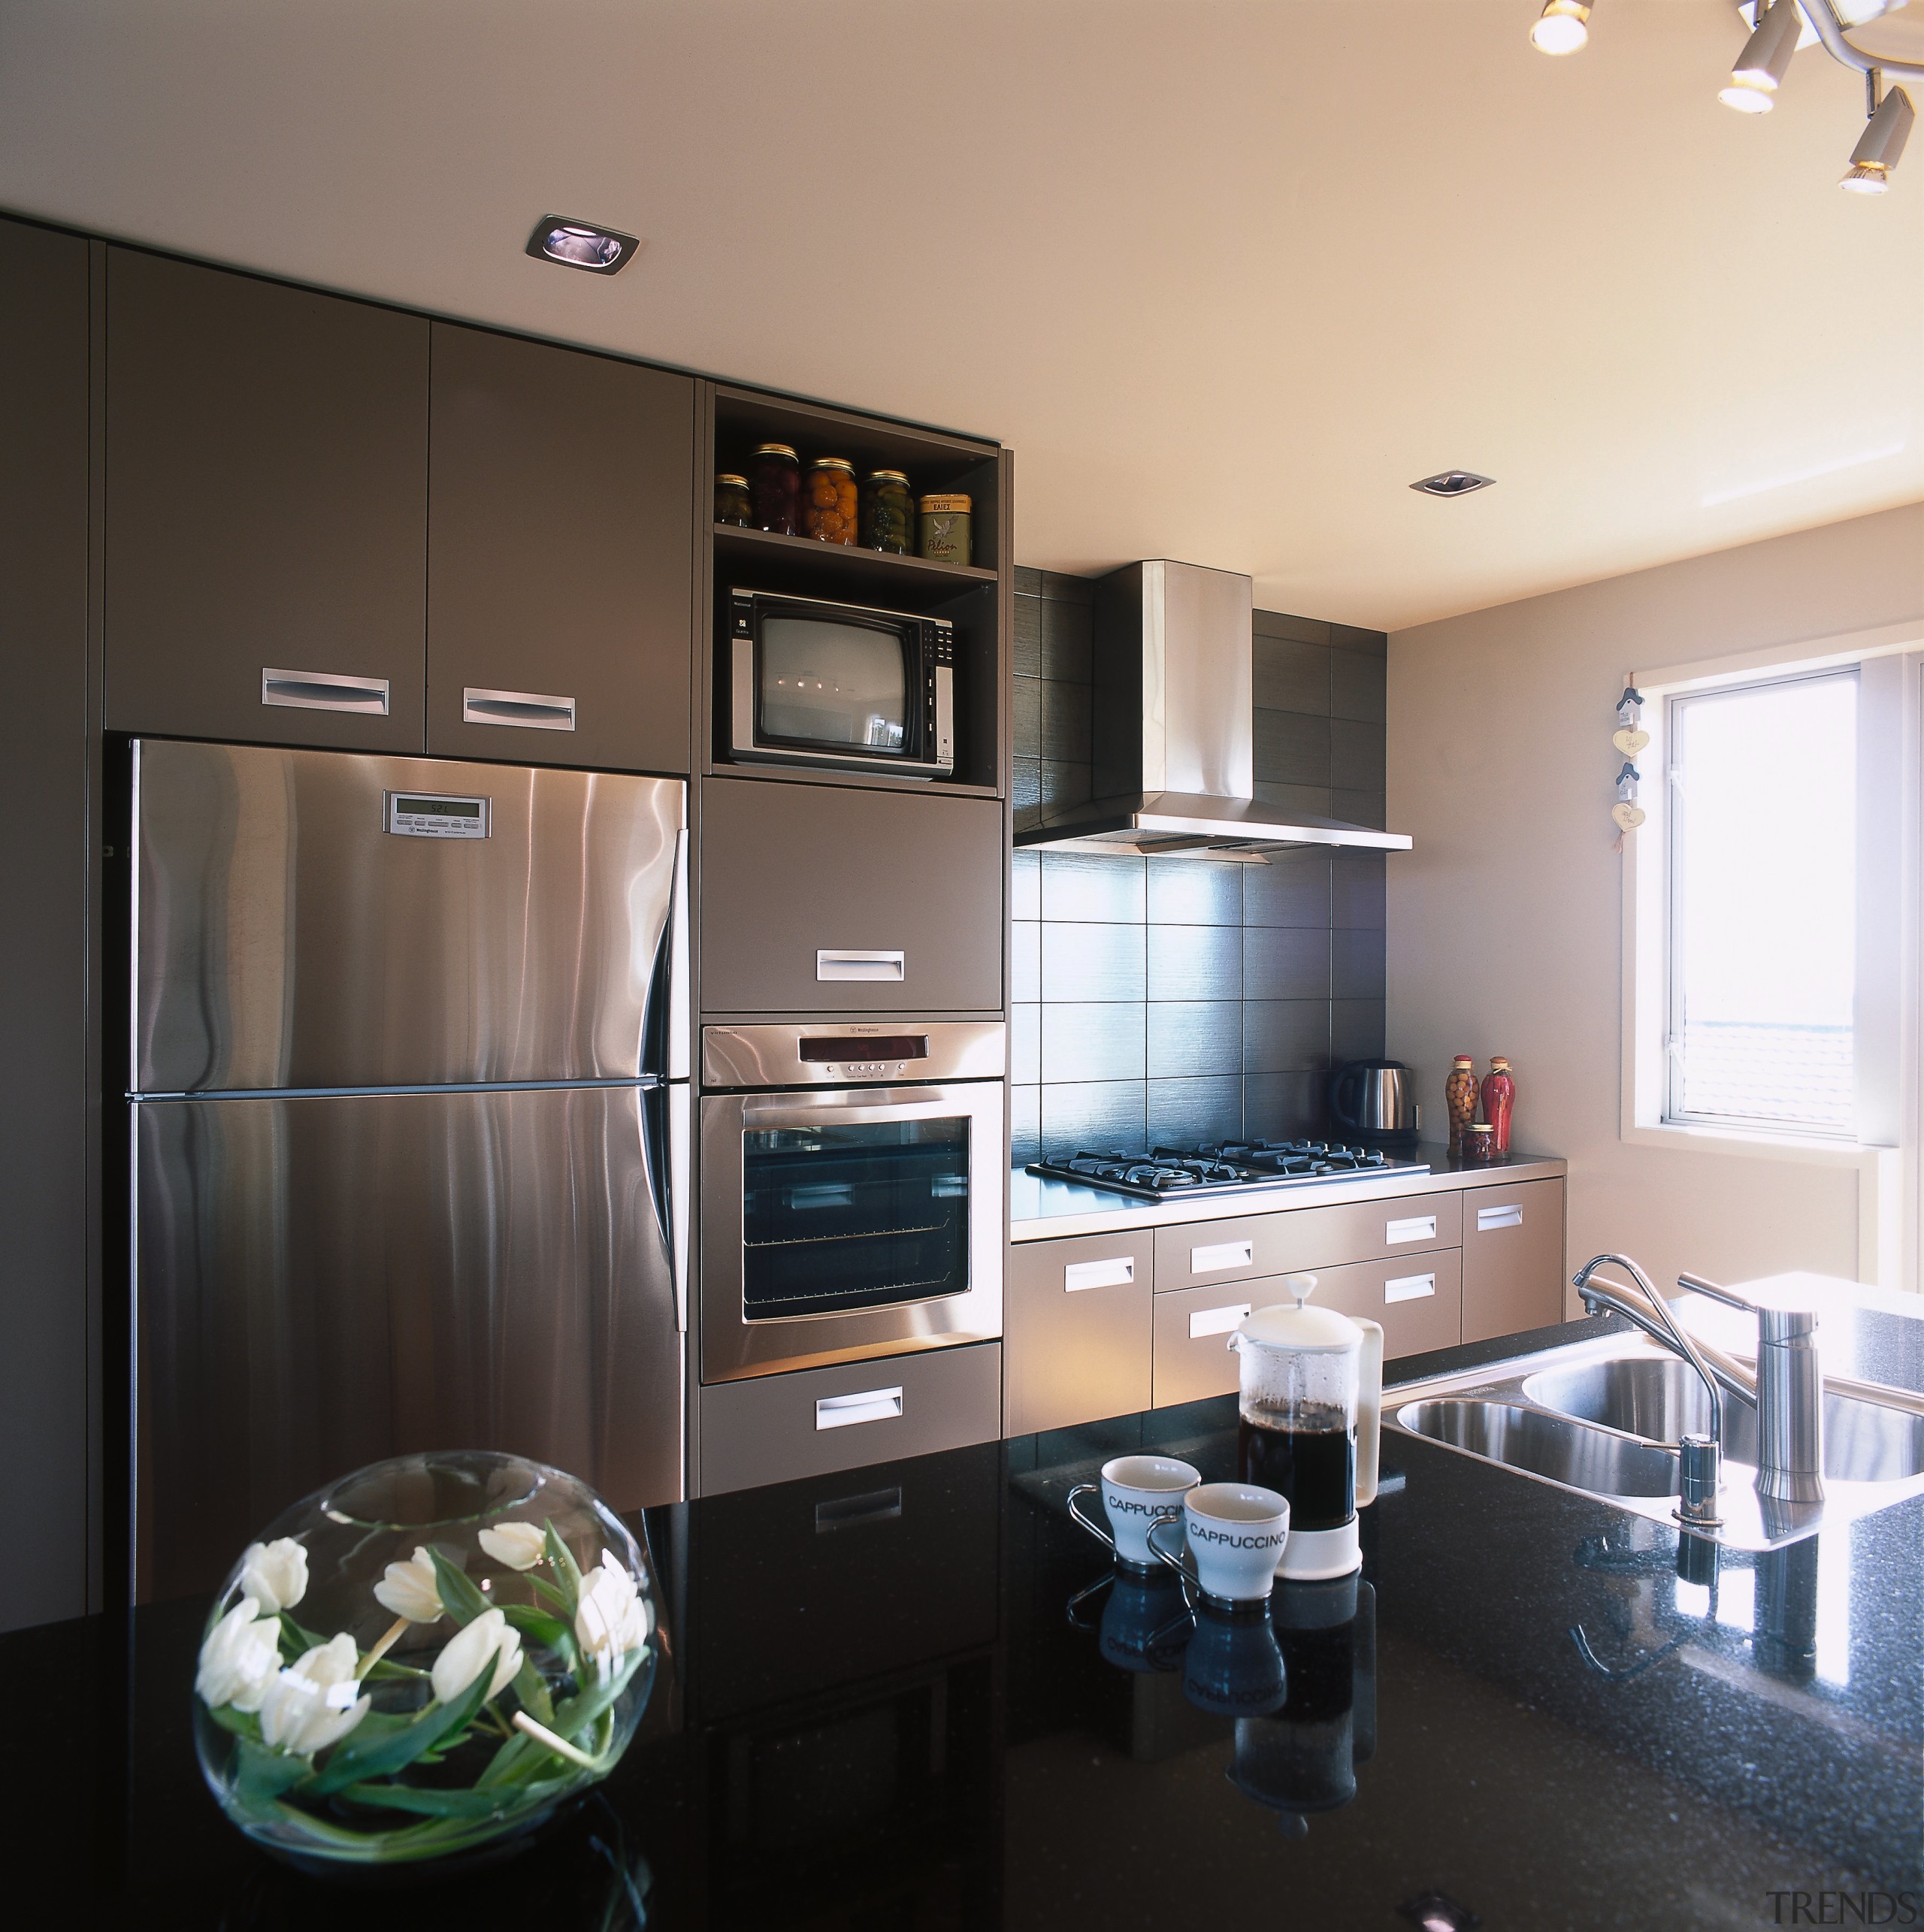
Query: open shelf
x=800, y=559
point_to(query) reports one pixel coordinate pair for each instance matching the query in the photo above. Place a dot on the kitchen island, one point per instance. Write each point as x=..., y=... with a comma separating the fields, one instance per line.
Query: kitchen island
x=895, y=1698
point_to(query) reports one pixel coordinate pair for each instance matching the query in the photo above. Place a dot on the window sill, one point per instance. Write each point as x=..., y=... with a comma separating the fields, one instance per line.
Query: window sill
x=1806, y=1151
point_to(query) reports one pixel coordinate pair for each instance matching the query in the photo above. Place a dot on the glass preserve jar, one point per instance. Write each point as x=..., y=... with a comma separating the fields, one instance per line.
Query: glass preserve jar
x=775, y=482
x=732, y=504
x=828, y=503
x=887, y=513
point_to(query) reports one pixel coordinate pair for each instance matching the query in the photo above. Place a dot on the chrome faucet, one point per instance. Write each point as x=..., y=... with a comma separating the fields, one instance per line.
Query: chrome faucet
x=1699, y=1457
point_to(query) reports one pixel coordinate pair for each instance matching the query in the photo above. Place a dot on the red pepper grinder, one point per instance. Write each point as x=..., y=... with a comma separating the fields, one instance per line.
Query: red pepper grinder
x=1460, y=1097
x=1499, y=1096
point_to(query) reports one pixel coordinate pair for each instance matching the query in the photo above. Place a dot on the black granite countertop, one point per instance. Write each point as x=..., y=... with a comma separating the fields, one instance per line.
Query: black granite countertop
x=895, y=1700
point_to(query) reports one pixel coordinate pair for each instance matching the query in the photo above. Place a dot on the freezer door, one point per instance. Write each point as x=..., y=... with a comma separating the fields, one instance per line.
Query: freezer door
x=323, y=1281
x=322, y=919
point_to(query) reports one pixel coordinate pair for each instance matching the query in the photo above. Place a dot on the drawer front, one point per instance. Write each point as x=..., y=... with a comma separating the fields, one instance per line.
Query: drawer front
x=1076, y=1329
x=1203, y=1252
x=775, y=1428
x=1192, y=1356
x=1513, y=1259
x=1418, y=1300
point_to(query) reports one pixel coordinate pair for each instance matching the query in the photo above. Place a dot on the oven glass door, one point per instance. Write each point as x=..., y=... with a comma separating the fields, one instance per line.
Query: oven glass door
x=833, y=684
x=836, y=1217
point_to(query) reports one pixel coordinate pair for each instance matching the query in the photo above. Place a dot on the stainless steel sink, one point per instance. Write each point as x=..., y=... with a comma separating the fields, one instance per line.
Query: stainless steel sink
x=1662, y=1398
x=1602, y=1419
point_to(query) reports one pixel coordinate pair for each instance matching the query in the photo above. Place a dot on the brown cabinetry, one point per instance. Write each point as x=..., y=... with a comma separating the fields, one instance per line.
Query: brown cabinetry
x=1206, y=1252
x=560, y=553
x=1513, y=1259
x=266, y=510
x=818, y=899
x=1077, y=1325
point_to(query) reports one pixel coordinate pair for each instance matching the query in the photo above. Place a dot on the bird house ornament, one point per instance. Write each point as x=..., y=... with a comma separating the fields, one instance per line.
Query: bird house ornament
x=1629, y=739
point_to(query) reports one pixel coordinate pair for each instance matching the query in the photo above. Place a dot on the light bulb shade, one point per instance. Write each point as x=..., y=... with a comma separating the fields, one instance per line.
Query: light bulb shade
x=1745, y=99
x=1765, y=59
x=1881, y=145
x=1561, y=28
x=1866, y=181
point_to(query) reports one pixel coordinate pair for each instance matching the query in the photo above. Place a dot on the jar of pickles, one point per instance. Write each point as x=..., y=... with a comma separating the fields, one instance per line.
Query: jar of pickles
x=732, y=505
x=887, y=513
x=945, y=528
x=828, y=503
x=775, y=484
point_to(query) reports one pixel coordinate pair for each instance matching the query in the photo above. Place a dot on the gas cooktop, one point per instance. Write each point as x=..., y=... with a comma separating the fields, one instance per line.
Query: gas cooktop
x=1166, y=1174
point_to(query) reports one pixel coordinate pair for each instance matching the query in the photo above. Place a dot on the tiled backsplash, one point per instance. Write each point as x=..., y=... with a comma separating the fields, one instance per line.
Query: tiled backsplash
x=1178, y=1000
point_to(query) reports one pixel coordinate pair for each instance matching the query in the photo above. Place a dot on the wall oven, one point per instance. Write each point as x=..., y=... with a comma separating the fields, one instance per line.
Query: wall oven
x=840, y=684
x=852, y=1191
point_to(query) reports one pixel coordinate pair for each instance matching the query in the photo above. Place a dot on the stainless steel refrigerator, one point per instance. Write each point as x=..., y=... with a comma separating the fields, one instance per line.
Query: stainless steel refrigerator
x=408, y=1129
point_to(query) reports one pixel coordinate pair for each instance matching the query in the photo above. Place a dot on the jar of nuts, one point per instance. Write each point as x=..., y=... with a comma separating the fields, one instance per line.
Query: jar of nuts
x=828, y=503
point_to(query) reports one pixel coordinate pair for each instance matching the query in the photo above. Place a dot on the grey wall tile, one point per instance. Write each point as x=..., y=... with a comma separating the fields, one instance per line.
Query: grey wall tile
x=1356, y=761
x=1025, y=1124
x=1187, y=1113
x=1028, y=636
x=1068, y=590
x=1093, y=1042
x=1292, y=890
x=1028, y=583
x=1025, y=886
x=1357, y=1027
x=1066, y=720
x=1283, y=962
x=1075, y=886
x=1293, y=797
x=1028, y=718
x=1291, y=676
x=1064, y=784
x=1089, y=962
x=1028, y=790
x=1068, y=631
x=1195, y=962
x=1358, y=808
x=1284, y=1036
x=1025, y=1043
x=1292, y=749
x=1359, y=686
x=1357, y=898
x=1283, y=1106
x=1097, y=1115
x=1194, y=1036
x=1356, y=965
x=1279, y=623
x=1374, y=643
x=1025, y=959
x=1196, y=892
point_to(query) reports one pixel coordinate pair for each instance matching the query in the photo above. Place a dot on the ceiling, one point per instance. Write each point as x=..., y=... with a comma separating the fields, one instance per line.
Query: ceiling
x=1227, y=275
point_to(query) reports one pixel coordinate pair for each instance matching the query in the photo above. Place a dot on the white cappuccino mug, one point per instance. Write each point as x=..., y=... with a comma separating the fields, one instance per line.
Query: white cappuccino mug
x=1136, y=1490
x=1235, y=1533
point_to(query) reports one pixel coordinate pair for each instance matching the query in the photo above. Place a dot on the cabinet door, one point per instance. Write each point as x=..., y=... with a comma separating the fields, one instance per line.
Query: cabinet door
x=1513, y=1259
x=1416, y=1298
x=560, y=542
x=814, y=900
x=1076, y=1326
x=267, y=504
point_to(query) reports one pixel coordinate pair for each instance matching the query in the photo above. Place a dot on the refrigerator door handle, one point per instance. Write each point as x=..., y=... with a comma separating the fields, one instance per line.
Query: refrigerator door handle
x=679, y=985
x=680, y=1107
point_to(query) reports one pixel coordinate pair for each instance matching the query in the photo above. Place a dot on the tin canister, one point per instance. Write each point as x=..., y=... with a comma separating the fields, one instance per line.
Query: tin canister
x=943, y=529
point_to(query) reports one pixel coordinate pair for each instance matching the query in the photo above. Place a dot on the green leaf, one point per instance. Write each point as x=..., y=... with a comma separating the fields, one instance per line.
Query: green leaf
x=548, y=1594
x=296, y=1639
x=545, y=1629
x=513, y=1763
x=567, y=1574
x=386, y=1669
x=264, y=1773
x=433, y=1804
x=242, y=1723
x=352, y=1761
x=459, y=1597
x=533, y=1694
x=575, y=1714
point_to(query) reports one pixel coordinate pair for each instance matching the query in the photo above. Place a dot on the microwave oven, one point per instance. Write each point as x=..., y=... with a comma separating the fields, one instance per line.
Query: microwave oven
x=840, y=685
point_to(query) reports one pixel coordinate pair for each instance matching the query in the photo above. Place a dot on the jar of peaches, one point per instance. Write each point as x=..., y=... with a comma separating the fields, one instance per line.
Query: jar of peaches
x=828, y=500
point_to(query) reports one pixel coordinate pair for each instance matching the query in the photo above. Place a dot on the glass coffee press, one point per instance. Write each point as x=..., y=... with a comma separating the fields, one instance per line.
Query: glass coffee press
x=1310, y=1417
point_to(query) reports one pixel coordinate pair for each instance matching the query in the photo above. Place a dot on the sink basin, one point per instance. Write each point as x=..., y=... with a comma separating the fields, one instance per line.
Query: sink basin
x=1552, y=1446
x=1662, y=1398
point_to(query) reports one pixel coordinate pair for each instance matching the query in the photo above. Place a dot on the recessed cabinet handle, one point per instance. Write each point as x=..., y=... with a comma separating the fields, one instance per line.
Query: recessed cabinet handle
x=324, y=691
x=1217, y=1321
x=872, y=1405
x=1222, y=1254
x=1417, y=1228
x=853, y=962
x=1112, y=1271
x=1409, y=1288
x=533, y=711
x=1508, y=1216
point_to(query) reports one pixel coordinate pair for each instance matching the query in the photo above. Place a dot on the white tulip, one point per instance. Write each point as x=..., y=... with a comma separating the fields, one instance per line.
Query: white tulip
x=275, y=1574
x=312, y=1704
x=519, y=1545
x=239, y=1659
x=411, y=1590
x=611, y=1619
x=466, y=1654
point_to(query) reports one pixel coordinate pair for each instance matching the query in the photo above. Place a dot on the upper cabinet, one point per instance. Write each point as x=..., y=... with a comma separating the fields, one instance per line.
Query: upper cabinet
x=266, y=510
x=560, y=555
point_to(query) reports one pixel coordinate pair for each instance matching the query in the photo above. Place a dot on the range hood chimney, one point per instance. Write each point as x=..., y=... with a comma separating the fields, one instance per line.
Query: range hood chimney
x=1174, y=727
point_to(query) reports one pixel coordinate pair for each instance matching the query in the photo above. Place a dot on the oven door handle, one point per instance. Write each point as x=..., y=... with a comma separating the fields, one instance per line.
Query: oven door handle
x=754, y=1118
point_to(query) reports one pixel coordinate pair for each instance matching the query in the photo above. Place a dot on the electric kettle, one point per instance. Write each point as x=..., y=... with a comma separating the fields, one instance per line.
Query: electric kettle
x=1373, y=1100
x=1309, y=1423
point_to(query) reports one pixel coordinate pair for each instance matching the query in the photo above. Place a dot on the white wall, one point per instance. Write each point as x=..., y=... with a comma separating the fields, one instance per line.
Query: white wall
x=1505, y=922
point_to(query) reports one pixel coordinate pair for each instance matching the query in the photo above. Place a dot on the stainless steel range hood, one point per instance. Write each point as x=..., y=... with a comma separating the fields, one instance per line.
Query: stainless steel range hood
x=1175, y=726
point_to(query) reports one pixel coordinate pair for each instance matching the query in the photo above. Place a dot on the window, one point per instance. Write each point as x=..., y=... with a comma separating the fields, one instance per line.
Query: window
x=1763, y=918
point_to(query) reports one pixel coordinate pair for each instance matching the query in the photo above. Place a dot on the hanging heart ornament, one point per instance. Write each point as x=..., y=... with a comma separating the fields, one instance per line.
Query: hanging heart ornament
x=1630, y=742
x=1629, y=817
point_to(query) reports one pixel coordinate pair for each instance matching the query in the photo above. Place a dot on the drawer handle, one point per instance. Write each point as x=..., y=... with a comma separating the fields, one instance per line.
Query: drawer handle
x=1116, y=1272
x=1417, y=1228
x=1409, y=1288
x=1223, y=1254
x=1509, y=1216
x=850, y=962
x=324, y=691
x=532, y=709
x=872, y=1405
x=1217, y=1321
x=845, y=1512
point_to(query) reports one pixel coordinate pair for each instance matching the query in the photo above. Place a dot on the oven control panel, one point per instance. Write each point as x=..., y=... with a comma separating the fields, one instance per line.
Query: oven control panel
x=838, y=1052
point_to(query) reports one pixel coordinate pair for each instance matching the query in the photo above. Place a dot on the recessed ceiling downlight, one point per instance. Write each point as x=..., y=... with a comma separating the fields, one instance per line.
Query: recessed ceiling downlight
x=582, y=245
x=1452, y=483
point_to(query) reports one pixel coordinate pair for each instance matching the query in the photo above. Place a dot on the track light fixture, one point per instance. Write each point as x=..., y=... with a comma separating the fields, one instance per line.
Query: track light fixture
x=1766, y=60
x=1561, y=28
x=1881, y=145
